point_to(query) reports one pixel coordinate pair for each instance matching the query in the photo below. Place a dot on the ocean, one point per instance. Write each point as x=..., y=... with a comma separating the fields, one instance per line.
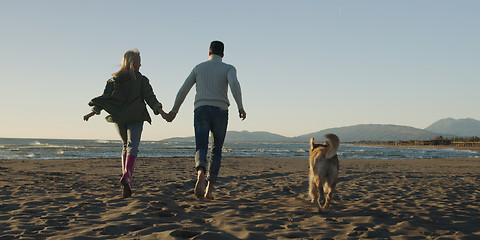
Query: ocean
x=16, y=148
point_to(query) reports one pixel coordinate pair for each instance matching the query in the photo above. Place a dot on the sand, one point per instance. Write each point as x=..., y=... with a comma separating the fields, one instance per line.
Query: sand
x=256, y=198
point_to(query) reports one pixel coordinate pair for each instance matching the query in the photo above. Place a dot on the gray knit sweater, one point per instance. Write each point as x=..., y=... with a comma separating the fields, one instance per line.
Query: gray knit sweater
x=212, y=79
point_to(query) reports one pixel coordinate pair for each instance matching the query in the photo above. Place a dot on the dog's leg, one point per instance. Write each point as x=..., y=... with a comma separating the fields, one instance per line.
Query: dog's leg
x=330, y=186
x=329, y=196
x=321, y=193
x=313, y=189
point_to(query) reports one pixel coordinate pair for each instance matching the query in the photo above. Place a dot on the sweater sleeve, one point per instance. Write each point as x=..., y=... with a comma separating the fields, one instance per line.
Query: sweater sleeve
x=183, y=91
x=106, y=93
x=235, y=87
x=149, y=96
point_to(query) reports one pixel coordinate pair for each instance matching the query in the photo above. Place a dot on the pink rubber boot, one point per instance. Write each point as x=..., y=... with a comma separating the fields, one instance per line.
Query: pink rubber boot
x=127, y=175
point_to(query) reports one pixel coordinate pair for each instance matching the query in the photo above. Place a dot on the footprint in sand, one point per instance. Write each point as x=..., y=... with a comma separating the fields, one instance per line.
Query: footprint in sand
x=184, y=233
x=166, y=213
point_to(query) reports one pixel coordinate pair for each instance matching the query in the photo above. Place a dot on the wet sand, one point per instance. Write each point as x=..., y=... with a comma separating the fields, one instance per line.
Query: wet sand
x=256, y=198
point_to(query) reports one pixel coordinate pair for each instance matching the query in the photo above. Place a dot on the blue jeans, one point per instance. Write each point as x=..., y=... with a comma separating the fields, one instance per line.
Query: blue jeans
x=130, y=134
x=209, y=119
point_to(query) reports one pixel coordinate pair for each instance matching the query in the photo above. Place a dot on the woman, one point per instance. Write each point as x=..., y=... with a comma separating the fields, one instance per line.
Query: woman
x=124, y=99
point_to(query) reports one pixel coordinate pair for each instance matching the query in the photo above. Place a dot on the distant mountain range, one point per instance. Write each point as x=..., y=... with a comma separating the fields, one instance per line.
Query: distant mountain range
x=467, y=127
x=372, y=132
x=448, y=127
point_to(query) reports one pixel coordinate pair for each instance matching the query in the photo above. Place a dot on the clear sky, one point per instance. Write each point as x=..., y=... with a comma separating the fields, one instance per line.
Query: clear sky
x=303, y=66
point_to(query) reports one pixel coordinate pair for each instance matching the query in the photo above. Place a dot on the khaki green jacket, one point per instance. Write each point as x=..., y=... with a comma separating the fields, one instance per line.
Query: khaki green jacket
x=124, y=99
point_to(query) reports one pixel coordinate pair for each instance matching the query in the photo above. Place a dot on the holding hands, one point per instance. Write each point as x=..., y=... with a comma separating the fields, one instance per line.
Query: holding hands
x=170, y=116
x=167, y=116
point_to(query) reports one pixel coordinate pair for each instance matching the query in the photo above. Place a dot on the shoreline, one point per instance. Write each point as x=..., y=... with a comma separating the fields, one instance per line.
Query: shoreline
x=460, y=148
x=255, y=198
x=59, y=149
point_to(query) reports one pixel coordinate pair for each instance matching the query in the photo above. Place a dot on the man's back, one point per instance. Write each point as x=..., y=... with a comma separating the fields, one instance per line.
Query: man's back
x=212, y=79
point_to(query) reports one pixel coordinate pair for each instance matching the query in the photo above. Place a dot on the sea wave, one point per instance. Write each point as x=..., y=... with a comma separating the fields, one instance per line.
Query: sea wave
x=82, y=149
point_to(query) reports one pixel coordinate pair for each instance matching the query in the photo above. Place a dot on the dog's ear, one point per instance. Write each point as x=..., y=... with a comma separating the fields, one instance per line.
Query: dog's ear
x=312, y=144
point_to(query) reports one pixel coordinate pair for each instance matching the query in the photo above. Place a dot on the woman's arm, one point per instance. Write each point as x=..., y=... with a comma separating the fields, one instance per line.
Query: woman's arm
x=150, y=98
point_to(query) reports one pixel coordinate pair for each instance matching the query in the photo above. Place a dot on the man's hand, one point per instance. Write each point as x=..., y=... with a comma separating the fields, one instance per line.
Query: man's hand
x=242, y=114
x=170, y=116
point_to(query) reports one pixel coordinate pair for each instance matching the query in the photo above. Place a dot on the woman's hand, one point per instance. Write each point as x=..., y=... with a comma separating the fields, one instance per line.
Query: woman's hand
x=86, y=117
x=162, y=113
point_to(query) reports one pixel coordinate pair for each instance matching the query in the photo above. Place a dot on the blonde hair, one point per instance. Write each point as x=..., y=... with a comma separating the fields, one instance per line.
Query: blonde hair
x=129, y=59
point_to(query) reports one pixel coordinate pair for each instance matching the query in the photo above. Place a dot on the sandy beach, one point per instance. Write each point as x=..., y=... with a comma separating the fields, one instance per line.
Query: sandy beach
x=256, y=198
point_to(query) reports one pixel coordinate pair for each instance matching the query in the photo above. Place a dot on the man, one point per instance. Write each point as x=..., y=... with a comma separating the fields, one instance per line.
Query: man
x=212, y=79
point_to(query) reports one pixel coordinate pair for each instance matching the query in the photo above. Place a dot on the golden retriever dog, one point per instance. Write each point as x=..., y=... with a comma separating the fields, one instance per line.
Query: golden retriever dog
x=324, y=168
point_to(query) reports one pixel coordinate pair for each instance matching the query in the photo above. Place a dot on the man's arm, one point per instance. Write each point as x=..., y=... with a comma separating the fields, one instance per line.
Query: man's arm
x=183, y=91
x=236, y=91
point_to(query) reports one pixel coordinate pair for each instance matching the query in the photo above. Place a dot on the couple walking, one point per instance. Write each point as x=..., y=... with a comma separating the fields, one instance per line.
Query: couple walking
x=128, y=90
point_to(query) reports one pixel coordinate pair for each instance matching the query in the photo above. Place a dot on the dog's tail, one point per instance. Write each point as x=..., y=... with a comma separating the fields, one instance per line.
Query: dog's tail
x=333, y=143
